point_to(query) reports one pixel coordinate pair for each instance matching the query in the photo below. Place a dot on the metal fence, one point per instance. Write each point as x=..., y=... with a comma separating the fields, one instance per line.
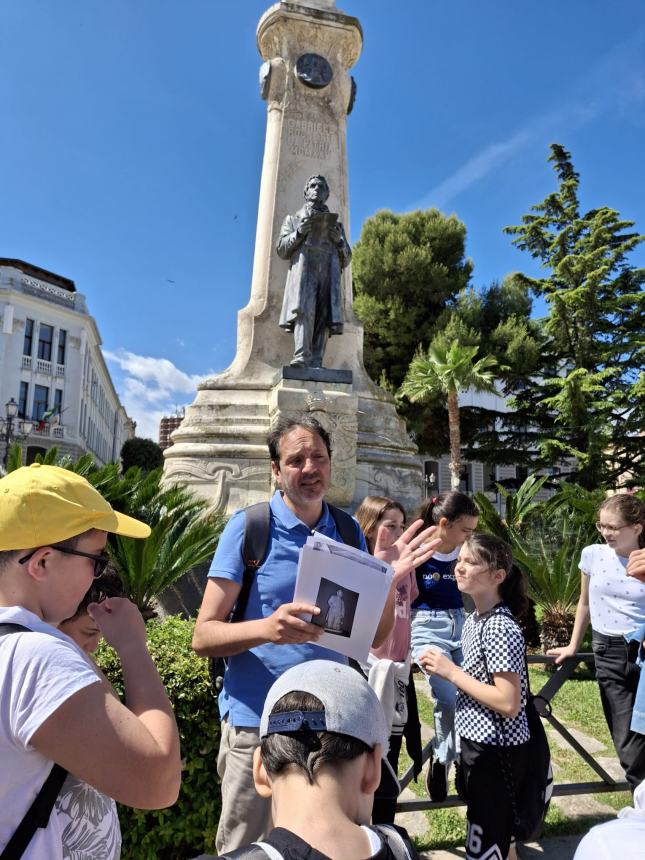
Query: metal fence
x=543, y=704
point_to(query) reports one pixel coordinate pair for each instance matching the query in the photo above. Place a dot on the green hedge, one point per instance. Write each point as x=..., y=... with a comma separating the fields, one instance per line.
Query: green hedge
x=188, y=828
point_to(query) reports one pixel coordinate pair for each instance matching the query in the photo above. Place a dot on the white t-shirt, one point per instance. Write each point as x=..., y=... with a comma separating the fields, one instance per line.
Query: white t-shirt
x=38, y=672
x=623, y=837
x=616, y=601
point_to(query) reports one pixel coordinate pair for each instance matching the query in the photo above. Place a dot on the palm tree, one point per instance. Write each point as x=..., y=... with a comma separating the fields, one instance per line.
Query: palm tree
x=446, y=372
x=183, y=537
x=184, y=534
x=549, y=554
x=521, y=505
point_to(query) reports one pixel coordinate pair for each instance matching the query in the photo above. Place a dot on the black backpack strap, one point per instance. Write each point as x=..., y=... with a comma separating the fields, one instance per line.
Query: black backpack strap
x=40, y=810
x=37, y=815
x=10, y=627
x=347, y=526
x=255, y=543
x=397, y=840
x=257, y=529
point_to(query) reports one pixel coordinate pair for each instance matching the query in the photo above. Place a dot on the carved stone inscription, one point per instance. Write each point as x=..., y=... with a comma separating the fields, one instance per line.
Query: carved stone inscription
x=309, y=139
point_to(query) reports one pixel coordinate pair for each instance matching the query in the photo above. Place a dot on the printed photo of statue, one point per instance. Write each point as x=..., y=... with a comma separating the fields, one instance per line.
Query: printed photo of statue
x=337, y=608
x=335, y=611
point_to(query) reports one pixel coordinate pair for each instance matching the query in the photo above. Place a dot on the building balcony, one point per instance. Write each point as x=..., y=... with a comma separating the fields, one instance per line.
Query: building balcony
x=26, y=362
x=60, y=370
x=43, y=366
x=55, y=432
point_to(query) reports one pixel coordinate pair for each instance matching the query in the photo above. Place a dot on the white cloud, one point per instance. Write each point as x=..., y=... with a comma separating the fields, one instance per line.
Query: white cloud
x=617, y=82
x=150, y=388
x=474, y=169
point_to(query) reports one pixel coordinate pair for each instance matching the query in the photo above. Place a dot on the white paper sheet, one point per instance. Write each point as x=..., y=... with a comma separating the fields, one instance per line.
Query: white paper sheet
x=349, y=586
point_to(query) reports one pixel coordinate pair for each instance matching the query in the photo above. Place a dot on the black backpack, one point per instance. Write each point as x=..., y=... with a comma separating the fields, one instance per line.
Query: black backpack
x=40, y=810
x=531, y=804
x=255, y=545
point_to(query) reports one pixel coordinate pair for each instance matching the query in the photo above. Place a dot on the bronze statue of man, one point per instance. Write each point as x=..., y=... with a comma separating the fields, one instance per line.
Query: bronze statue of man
x=314, y=241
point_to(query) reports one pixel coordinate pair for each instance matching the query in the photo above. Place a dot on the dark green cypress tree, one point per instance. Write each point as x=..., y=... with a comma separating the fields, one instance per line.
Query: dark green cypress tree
x=585, y=403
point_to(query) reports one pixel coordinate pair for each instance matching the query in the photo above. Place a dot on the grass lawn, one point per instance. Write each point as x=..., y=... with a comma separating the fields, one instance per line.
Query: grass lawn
x=578, y=706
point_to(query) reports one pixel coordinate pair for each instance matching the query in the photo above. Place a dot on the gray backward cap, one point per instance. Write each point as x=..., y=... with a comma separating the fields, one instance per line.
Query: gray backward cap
x=351, y=706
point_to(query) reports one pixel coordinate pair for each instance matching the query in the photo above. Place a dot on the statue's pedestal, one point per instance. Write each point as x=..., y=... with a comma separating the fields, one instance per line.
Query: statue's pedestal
x=335, y=405
x=220, y=449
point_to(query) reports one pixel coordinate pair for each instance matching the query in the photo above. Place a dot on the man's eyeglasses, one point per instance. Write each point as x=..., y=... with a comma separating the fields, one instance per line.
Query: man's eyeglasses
x=612, y=530
x=100, y=561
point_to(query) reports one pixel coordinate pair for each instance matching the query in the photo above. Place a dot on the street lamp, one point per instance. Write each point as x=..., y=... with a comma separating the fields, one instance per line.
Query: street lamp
x=14, y=431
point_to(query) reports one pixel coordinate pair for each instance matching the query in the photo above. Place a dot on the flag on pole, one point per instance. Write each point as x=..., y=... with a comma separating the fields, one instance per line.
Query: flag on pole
x=51, y=417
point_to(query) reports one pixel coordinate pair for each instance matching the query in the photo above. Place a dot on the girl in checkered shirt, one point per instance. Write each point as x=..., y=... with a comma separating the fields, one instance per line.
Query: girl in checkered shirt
x=490, y=714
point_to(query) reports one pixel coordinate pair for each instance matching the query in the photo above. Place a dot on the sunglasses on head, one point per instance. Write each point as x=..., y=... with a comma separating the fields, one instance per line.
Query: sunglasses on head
x=100, y=561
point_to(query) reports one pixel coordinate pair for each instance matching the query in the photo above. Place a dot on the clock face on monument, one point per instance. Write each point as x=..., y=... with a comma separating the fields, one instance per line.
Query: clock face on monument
x=314, y=71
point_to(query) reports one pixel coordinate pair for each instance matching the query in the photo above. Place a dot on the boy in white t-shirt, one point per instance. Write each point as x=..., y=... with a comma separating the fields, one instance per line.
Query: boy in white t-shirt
x=54, y=706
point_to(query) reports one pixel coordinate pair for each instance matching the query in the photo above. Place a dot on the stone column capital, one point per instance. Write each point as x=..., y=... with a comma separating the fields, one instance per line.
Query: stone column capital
x=287, y=26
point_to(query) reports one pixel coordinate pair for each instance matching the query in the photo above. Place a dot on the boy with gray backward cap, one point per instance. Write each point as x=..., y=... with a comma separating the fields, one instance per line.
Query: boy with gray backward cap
x=323, y=733
x=61, y=725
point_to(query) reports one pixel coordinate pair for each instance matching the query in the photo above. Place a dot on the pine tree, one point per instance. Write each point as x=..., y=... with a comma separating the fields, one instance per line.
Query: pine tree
x=586, y=402
x=405, y=270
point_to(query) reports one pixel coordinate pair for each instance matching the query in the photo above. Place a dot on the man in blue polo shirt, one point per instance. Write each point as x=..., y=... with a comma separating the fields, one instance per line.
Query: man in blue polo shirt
x=272, y=637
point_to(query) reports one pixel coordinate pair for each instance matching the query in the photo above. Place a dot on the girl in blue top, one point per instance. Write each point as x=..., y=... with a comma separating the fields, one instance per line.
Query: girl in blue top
x=438, y=619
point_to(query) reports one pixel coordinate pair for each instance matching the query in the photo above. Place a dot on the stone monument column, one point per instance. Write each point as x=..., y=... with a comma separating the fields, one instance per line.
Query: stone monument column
x=308, y=48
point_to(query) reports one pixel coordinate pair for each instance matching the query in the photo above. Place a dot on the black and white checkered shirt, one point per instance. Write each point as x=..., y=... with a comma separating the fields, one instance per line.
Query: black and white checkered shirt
x=503, y=643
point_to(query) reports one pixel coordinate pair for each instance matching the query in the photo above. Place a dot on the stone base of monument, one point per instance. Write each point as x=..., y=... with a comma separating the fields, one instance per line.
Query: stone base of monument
x=335, y=405
x=220, y=449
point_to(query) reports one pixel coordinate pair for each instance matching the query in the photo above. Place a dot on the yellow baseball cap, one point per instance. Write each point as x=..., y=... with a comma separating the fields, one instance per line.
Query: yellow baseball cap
x=41, y=505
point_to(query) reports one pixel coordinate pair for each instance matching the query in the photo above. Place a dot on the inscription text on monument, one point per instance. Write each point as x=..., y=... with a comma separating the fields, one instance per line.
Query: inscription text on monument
x=309, y=139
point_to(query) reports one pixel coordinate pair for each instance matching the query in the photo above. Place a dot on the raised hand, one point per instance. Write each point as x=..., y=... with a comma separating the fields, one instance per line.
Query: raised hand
x=412, y=549
x=636, y=564
x=119, y=621
x=305, y=226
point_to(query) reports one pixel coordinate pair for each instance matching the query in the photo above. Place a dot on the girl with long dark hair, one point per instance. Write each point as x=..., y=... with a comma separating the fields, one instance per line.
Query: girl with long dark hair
x=438, y=619
x=492, y=692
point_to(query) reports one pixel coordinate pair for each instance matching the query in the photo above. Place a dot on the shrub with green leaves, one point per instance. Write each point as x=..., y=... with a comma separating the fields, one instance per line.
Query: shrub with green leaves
x=188, y=828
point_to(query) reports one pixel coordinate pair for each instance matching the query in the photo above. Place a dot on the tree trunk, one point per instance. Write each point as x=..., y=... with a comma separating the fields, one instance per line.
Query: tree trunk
x=455, y=438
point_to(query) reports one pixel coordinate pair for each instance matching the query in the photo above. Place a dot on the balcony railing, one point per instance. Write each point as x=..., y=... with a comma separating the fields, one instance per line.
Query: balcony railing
x=43, y=366
x=26, y=362
x=60, y=370
x=57, y=432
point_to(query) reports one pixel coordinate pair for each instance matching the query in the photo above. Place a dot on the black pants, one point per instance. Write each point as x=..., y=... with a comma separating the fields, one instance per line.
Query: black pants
x=618, y=679
x=486, y=776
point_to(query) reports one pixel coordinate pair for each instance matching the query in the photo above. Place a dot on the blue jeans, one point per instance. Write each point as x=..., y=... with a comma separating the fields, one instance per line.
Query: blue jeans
x=440, y=629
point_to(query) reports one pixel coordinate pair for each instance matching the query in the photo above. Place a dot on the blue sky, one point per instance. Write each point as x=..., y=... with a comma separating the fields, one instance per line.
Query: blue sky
x=133, y=133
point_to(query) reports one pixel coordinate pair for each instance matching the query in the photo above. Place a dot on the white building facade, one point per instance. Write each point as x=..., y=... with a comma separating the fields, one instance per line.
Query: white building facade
x=50, y=359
